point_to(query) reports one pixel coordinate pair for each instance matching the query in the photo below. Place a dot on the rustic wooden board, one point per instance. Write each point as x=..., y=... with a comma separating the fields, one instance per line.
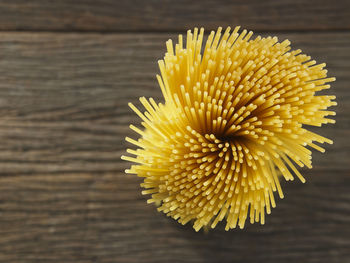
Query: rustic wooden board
x=64, y=196
x=102, y=217
x=63, y=97
x=168, y=15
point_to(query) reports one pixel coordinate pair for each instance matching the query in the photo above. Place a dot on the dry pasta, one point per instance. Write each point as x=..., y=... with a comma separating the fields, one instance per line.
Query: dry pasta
x=231, y=125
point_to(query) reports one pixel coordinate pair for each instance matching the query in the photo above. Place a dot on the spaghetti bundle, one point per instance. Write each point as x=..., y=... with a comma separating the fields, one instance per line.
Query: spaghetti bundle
x=231, y=125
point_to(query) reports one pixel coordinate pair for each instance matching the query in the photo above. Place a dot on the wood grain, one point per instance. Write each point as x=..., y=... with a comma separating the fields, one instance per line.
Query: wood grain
x=64, y=196
x=167, y=15
x=101, y=217
x=64, y=97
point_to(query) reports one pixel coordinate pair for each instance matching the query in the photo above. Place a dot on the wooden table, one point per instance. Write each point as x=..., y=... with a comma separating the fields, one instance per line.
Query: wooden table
x=67, y=71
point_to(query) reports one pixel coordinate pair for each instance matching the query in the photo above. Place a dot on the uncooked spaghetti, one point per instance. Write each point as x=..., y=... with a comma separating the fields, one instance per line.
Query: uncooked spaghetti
x=232, y=123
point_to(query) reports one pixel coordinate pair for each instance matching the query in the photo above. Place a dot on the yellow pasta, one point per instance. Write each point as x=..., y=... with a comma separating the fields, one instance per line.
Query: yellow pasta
x=231, y=126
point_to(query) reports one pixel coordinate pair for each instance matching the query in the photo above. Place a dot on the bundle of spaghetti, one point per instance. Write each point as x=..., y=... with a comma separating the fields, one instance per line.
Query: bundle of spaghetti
x=232, y=124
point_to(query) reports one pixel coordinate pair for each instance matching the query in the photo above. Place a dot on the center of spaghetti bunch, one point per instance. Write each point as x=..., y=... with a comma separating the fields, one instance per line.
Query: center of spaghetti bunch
x=218, y=156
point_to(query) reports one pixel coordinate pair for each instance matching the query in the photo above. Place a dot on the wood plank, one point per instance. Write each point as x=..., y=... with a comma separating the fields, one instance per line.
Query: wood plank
x=101, y=217
x=154, y=15
x=63, y=98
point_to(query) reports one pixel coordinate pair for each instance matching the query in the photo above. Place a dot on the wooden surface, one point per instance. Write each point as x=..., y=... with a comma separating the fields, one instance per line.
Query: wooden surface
x=64, y=196
x=165, y=15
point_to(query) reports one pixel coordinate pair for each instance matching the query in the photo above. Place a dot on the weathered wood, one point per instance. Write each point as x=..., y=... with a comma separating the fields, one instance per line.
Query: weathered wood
x=64, y=97
x=166, y=15
x=101, y=217
x=64, y=196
